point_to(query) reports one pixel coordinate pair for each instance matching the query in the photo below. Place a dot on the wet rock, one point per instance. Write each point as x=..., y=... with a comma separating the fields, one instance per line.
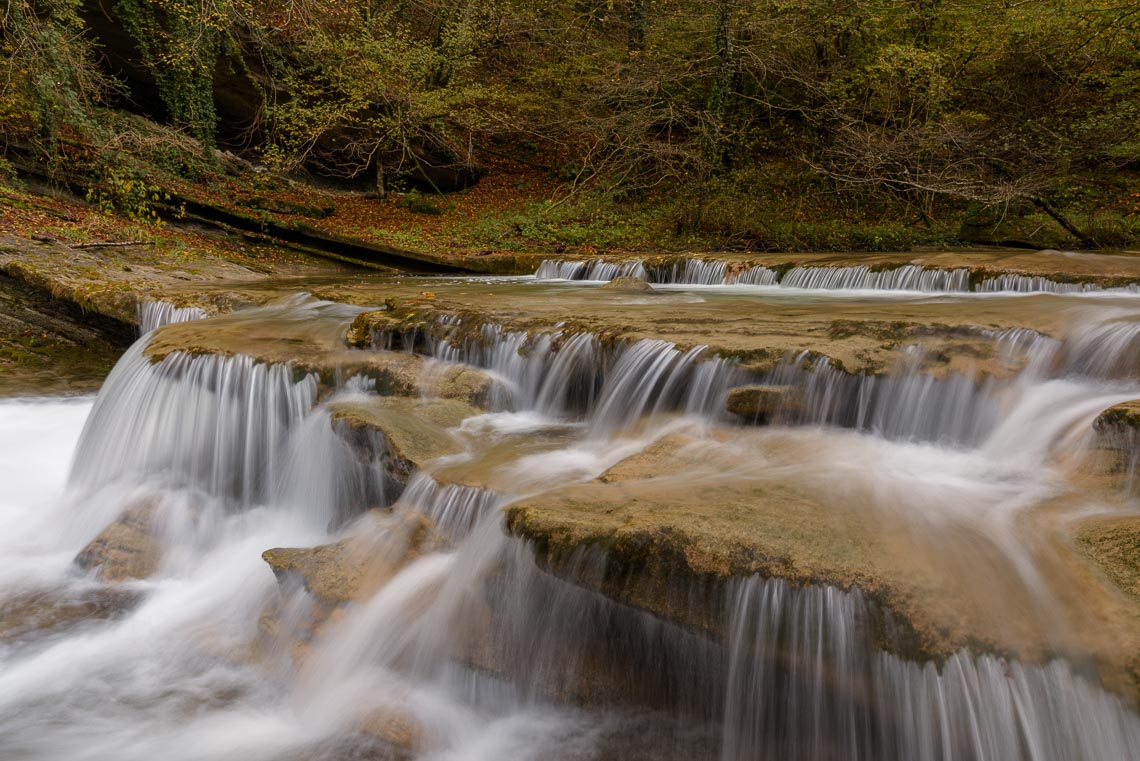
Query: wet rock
x=628, y=284
x=129, y=548
x=1121, y=416
x=395, y=327
x=1114, y=545
x=412, y=432
x=398, y=729
x=31, y=614
x=760, y=404
x=352, y=569
x=1117, y=452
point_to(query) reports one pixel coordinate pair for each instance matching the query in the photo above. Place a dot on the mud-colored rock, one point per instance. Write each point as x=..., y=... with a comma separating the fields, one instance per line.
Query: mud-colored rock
x=628, y=284
x=129, y=548
x=1113, y=544
x=54, y=610
x=415, y=431
x=760, y=404
x=398, y=729
x=352, y=569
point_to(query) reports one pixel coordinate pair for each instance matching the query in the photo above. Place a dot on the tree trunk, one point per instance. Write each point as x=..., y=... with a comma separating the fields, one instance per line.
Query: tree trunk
x=1046, y=207
x=715, y=150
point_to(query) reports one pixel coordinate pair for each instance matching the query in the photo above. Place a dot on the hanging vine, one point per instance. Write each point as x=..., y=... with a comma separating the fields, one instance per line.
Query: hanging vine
x=180, y=42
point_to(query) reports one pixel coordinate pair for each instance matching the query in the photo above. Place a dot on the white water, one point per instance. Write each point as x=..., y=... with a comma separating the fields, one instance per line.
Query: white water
x=236, y=457
x=154, y=314
x=907, y=278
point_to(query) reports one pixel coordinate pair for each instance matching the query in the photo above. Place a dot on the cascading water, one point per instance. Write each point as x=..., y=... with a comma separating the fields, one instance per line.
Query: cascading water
x=574, y=374
x=155, y=314
x=472, y=641
x=218, y=423
x=595, y=269
x=1036, y=284
x=905, y=278
x=790, y=642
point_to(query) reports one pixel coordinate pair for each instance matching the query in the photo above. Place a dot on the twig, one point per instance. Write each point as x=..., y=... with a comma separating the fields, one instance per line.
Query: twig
x=114, y=244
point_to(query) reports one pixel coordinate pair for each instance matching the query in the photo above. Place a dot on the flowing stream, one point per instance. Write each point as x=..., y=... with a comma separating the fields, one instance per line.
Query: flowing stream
x=471, y=648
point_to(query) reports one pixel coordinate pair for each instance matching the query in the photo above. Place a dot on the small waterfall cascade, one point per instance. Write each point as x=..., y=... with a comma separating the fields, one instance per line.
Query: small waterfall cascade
x=909, y=403
x=652, y=376
x=454, y=509
x=154, y=314
x=1037, y=284
x=1103, y=349
x=219, y=423
x=904, y=404
x=574, y=374
x=555, y=373
x=692, y=272
x=594, y=269
x=805, y=682
x=907, y=277
x=757, y=275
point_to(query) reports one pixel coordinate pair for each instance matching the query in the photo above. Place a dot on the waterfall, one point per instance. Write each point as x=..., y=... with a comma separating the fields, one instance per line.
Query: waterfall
x=488, y=646
x=806, y=683
x=906, y=277
x=574, y=374
x=217, y=423
x=1103, y=349
x=905, y=404
x=757, y=275
x=454, y=509
x=594, y=269
x=1038, y=284
x=155, y=314
x=690, y=271
x=557, y=374
x=652, y=376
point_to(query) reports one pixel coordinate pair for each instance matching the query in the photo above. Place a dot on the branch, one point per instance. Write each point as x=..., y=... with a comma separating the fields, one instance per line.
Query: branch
x=114, y=244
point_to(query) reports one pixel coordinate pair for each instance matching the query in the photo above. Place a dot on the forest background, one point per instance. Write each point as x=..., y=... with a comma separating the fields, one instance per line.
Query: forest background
x=628, y=124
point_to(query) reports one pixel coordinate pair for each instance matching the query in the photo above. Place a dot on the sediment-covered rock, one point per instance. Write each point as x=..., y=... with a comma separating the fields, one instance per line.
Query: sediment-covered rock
x=129, y=548
x=352, y=569
x=412, y=432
